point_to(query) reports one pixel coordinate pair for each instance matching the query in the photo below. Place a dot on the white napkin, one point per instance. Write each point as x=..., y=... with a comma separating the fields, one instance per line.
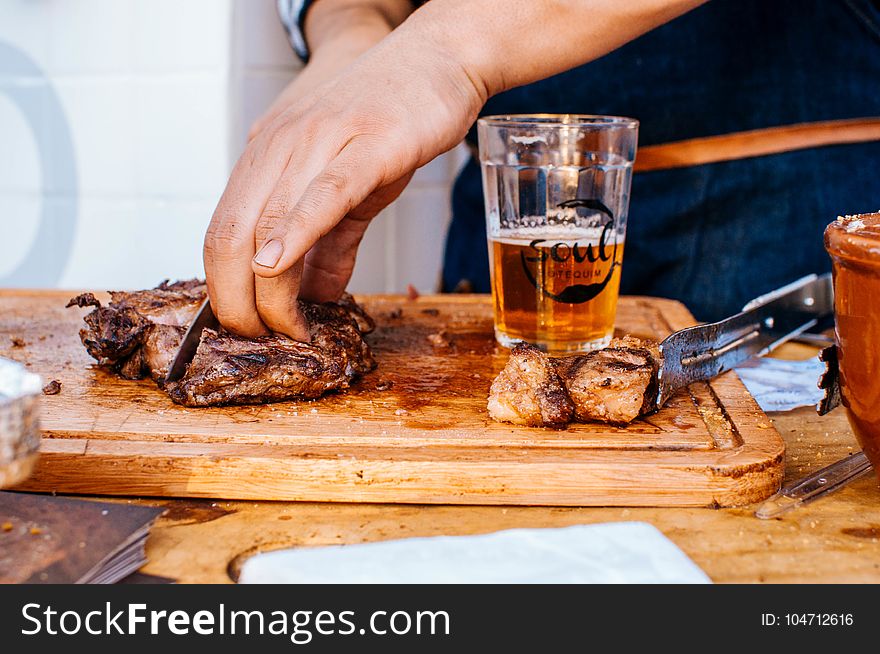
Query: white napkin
x=779, y=385
x=622, y=552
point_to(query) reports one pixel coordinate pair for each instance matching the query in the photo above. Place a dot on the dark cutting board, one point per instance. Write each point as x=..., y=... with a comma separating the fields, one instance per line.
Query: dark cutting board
x=414, y=431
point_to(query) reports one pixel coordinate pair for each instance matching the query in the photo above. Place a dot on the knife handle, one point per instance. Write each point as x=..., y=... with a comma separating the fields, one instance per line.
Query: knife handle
x=814, y=486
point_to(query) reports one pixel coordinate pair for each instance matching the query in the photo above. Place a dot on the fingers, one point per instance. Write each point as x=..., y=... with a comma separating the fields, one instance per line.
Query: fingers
x=231, y=285
x=342, y=185
x=277, y=300
x=229, y=242
x=276, y=296
x=262, y=191
x=329, y=264
x=341, y=141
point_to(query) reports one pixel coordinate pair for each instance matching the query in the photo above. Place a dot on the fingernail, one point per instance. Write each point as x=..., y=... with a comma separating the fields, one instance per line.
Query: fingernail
x=270, y=254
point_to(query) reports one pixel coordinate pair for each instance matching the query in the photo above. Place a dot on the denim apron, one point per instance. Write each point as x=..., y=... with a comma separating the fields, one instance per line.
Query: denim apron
x=714, y=236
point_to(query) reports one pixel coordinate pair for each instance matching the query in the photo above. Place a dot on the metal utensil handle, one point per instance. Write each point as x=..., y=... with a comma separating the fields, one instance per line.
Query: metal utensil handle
x=814, y=486
x=828, y=478
x=705, y=351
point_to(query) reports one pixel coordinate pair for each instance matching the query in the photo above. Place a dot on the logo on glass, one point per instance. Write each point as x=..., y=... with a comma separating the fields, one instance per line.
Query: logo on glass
x=547, y=265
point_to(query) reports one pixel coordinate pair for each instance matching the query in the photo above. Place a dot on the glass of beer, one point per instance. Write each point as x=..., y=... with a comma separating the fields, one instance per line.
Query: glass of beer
x=557, y=195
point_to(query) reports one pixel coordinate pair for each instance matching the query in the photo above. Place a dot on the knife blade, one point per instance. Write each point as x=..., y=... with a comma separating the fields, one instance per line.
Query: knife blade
x=705, y=351
x=205, y=318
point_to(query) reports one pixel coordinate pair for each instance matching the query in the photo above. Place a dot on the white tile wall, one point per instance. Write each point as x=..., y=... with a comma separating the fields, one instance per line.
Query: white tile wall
x=375, y=269
x=89, y=37
x=24, y=24
x=19, y=160
x=179, y=138
x=261, y=41
x=421, y=221
x=157, y=96
x=166, y=232
x=181, y=36
x=19, y=218
x=103, y=117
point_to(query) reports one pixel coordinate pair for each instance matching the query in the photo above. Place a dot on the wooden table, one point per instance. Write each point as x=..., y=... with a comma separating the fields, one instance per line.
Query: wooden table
x=836, y=539
x=416, y=431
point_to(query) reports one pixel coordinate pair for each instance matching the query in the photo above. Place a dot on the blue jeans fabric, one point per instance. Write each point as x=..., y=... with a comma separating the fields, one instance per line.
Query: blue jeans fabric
x=715, y=236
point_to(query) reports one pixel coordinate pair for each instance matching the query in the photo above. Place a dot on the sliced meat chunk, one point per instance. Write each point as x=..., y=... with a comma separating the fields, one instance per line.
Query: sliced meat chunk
x=168, y=304
x=529, y=391
x=159, y=349
x=613, y=385
x=112, y=334
x=138, y=334
x=229, y=369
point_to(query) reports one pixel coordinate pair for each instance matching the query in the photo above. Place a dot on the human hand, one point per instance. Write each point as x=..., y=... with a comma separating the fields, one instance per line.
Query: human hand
x=328, y=59
x=307, y=185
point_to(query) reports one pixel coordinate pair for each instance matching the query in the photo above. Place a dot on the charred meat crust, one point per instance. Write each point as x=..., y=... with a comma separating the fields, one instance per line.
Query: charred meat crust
x=138, y=334
x=227, y=370
x=365, y=323
x=612, y=385
x=52, y=388
x=615, y=385
x=168, y=304
x=112, y=334
x=232, y=370
x=84, y=300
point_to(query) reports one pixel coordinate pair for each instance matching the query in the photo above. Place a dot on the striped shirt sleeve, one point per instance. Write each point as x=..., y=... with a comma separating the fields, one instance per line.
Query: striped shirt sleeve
x=293, y=15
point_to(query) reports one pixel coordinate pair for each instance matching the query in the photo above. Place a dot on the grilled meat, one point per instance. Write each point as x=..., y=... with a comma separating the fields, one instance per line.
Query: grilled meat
x=613, y=385
x=529, y=391
x=139, y=333
x=232, y=370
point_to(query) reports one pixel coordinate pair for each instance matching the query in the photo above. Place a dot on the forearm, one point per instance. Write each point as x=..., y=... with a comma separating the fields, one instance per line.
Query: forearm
x=353, y=24
x=502, y=44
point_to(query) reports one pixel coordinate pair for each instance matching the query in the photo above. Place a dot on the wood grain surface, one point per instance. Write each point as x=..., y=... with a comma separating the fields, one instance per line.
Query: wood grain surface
x=835, y=539
x=415, y=431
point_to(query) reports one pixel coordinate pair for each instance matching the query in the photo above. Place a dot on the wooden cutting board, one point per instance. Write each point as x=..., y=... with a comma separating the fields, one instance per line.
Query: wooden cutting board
x=414, y=431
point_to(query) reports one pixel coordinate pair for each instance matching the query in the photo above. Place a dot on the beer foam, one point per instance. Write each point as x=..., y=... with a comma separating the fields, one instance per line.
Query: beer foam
x=563, y=219
x=560, y=233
